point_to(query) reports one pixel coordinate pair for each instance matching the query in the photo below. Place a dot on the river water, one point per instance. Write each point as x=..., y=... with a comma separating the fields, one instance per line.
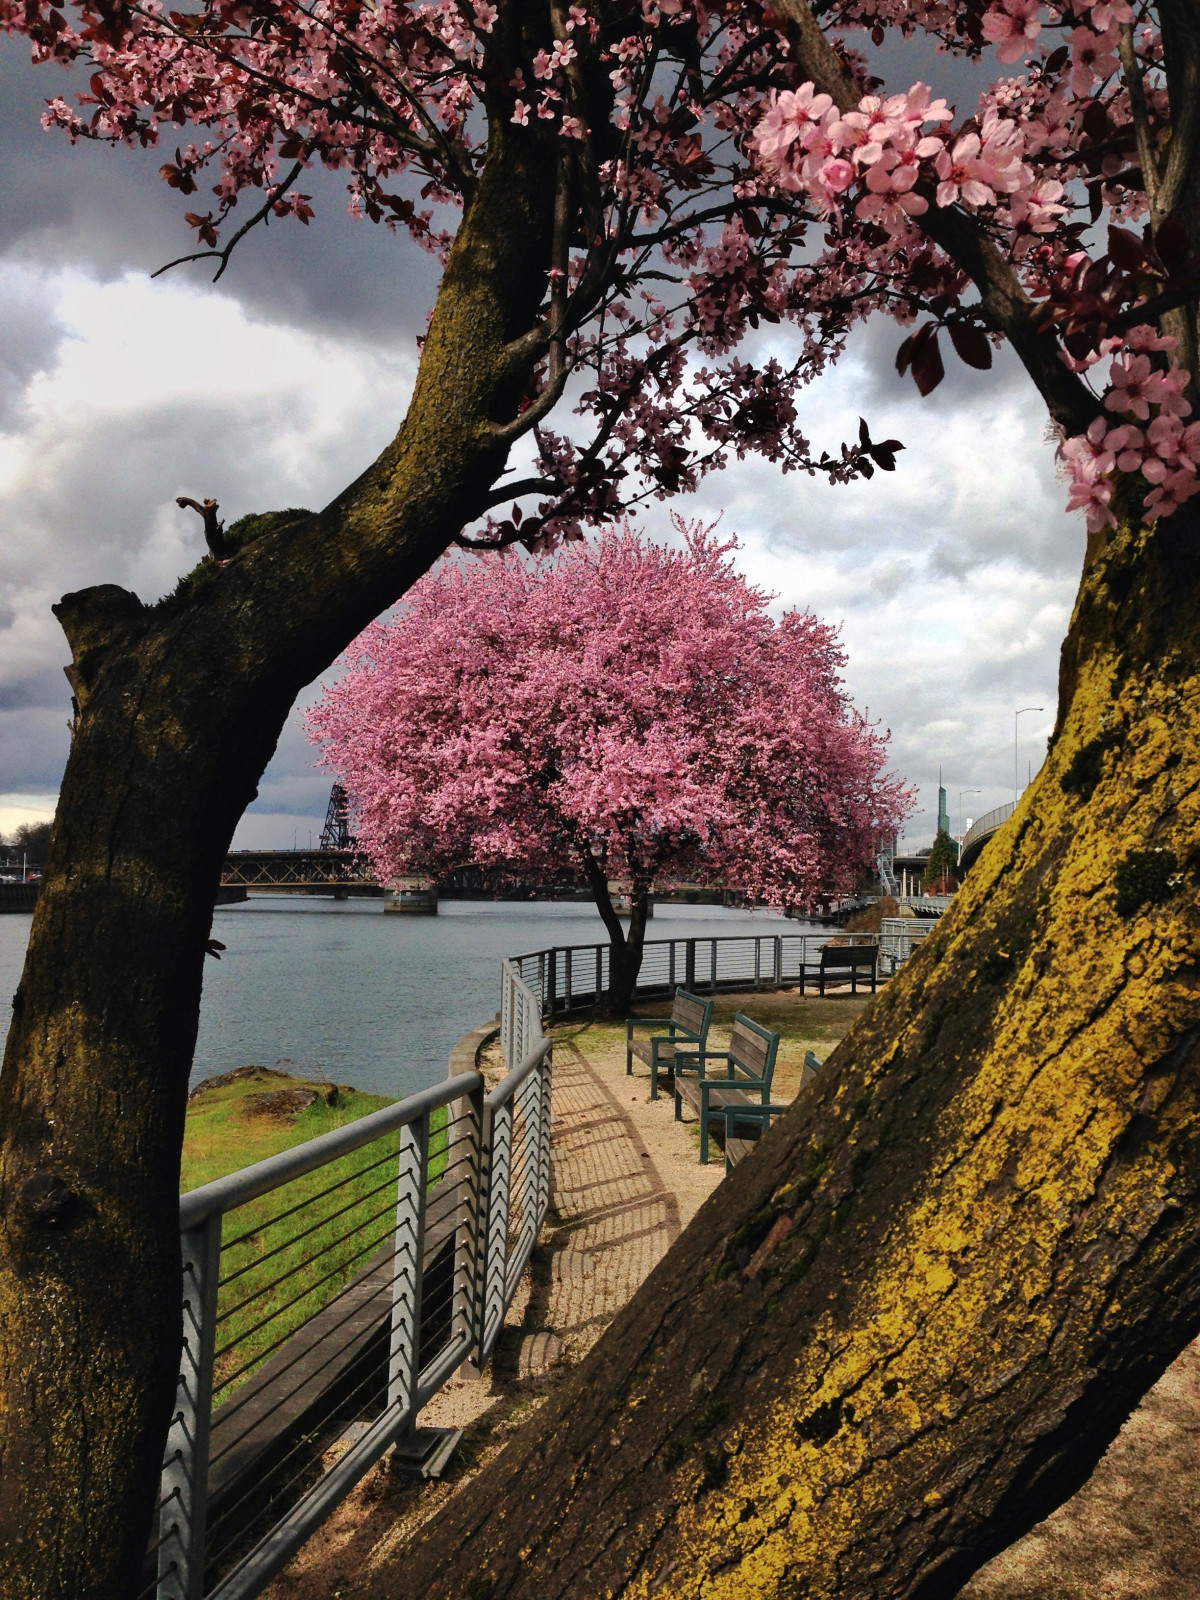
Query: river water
x=341, y=990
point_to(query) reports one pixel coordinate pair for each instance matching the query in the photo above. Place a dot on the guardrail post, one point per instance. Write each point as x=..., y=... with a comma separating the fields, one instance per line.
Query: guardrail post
x=778, y=975
x=546, y=1078
x=184, y=1482
x=689, y=966
x=599, y=972
x=404, y=1345
x=758, y=961
x=495, y=1249
x=713, y=984
x=469, y=1233
x=551, y=983
x=569, y=952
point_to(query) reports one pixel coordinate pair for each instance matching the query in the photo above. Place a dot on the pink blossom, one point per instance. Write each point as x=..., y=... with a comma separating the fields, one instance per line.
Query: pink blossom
x=963, y=176
x=520, y=113
x=1093, y=56
x=1012, y=26
x=1135, y=387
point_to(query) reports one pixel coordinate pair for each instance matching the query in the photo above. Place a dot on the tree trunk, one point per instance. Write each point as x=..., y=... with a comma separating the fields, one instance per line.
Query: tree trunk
x=624, y=947
x=180, y=706
x=907, y=1327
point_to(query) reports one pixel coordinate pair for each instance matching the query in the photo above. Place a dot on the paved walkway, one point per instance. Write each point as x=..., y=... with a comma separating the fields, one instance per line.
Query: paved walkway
x=615, y=1210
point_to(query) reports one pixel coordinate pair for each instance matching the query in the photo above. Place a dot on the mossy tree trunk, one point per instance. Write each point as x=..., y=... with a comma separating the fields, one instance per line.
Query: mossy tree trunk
x=180, y=706
x=909, y=1325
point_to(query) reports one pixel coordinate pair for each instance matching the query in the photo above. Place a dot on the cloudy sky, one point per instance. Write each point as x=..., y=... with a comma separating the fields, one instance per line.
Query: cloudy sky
x=952, y=579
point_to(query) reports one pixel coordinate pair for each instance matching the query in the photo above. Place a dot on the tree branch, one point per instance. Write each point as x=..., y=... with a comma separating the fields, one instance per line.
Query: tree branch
x=263, y=215
x=1131, y=72
x=555, y=334
x=1002, y=299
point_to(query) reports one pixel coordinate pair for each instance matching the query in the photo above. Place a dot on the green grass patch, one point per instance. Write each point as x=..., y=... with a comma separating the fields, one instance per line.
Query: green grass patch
x=288, y=1253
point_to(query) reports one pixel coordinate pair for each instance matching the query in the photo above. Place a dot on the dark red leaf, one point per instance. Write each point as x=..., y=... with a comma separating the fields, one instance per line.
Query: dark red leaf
x=516, y=515
x=1058, y=59
x=905, y=354
x=971, y=343
x=1125, y=249
x=927, y=368
x=865, y=467
x=1095, y=121
x=1095, y=199
x=864, y=433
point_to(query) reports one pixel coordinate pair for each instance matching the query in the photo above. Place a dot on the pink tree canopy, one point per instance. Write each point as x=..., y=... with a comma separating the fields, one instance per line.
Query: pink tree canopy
x=626, y=704
x=719, y=165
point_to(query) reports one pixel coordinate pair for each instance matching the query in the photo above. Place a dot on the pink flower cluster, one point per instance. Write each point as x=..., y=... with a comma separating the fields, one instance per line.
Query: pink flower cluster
x=1014, y=25
x=1162, y=447
x=808, y=146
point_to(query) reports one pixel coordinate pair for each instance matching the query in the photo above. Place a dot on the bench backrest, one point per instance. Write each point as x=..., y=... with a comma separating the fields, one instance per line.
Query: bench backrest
x=752, y=1050
x=691, y=1013
x=848, y=955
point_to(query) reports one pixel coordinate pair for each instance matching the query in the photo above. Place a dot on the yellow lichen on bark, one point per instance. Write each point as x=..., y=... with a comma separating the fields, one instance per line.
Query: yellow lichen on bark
x=963, y=1293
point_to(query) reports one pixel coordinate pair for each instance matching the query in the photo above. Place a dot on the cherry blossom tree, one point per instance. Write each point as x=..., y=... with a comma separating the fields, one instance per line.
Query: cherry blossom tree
x=627, y=711
x=657, y=220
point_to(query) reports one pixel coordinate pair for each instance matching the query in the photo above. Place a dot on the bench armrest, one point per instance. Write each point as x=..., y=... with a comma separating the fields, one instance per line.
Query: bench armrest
x=650, y=1022
x=697, y=1058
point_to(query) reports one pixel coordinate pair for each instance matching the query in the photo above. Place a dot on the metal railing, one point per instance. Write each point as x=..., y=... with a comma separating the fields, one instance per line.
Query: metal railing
x=568, y=976
x=985, y=825
x=328, y=1292
x=899, y=937
x=520, y=1012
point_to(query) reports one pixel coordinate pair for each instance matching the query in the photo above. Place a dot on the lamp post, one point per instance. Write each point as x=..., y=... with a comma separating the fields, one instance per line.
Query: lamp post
x=962, y=792
x=1017, y=715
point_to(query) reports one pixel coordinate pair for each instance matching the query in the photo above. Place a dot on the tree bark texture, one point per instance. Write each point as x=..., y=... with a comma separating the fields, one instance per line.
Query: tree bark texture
x=180, y=706
x=908, y=1326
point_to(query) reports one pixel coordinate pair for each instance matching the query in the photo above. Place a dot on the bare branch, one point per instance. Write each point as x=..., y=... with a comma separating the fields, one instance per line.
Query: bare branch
x=263, y=215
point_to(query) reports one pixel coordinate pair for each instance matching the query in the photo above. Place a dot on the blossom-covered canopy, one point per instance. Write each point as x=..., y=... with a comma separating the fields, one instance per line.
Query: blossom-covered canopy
x=627, y=701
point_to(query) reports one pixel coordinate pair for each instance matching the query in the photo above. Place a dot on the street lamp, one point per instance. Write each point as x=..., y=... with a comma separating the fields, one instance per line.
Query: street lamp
x=1017, y=715
x=962, y=792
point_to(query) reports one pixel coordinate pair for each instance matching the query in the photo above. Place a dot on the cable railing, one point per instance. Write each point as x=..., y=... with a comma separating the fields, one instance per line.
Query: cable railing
x=328, y=1292
x=566, y=977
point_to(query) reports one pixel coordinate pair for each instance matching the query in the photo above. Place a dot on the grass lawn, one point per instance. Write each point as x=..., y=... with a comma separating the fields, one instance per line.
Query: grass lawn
x=288, y=1253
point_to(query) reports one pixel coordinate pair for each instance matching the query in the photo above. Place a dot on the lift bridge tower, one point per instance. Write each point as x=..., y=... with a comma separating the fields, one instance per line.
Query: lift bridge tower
x=336, y=835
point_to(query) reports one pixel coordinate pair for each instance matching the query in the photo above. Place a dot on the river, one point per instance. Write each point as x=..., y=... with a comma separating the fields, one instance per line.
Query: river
x=341, y=990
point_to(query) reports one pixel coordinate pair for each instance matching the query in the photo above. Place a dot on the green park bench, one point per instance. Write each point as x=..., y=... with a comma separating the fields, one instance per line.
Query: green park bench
x=746, y=1124
x=839, y=962
x=688, y=1024
x=750, y=1063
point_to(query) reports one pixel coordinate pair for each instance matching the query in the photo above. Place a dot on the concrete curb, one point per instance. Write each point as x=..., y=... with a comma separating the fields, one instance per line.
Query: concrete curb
x=465, y=1055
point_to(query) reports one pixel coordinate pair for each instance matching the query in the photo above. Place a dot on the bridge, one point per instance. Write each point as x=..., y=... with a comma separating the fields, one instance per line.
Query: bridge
x=978, y=834
x=341, y=873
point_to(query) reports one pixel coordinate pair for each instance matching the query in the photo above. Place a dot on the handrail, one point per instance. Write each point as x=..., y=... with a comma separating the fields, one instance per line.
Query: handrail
x=986, y=824
x=371, y=1286
x=248, y=1183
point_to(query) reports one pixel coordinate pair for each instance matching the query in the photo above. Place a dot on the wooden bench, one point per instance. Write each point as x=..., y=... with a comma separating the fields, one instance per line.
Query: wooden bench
x=750, y=1063
x=842, y=961
x=754, y=1120
x=688, y=1024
